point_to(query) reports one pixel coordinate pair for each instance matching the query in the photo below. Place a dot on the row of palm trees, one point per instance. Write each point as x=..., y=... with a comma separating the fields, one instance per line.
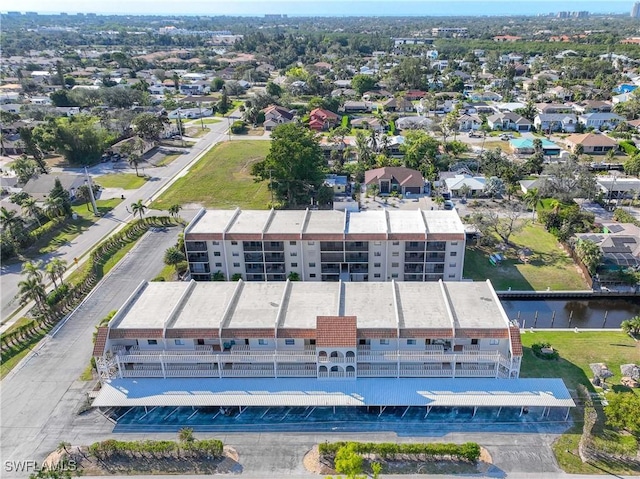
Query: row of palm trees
x=32, y=288
x=139, y=209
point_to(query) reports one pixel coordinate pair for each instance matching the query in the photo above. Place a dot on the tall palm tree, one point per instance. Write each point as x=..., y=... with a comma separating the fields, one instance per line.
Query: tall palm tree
x=13, y=225
x=31, y=289
x=138, y=208
x=174, y=210
x=532, y=199
x=173, y=257
x=56, y=269
x=32, y=269
x=54, y=206
x=30, y=208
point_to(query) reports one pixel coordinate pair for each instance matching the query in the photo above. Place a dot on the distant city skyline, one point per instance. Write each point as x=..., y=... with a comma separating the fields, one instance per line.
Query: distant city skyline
x=325, y=8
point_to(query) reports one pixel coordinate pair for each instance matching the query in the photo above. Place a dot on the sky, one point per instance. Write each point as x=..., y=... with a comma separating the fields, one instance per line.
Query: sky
x=320, y=7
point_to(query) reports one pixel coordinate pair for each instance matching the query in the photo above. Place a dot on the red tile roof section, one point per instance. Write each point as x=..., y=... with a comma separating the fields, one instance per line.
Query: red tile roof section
x=336, y=331
x=516, y=342
x=101, y=341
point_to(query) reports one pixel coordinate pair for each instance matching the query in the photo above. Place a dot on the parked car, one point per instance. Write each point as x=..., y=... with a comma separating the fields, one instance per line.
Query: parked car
x=448, y=205
x=505, y=137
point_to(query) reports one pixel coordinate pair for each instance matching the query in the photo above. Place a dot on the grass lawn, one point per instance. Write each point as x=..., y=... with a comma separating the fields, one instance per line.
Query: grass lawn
x=70, y=228
x=502, y=145
x=127, y=181
x=195, y=131
x=550, y=267
x=577, y=351
x=168, y=159
x=222, y=179
x=206, y=121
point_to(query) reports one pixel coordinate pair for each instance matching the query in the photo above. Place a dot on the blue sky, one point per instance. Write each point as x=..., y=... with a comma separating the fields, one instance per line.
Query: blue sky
x=317, y=7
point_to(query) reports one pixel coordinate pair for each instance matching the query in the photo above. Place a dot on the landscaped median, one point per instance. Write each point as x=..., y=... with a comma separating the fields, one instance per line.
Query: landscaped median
x=18, y=340
x=358, y=458
x=186, y=456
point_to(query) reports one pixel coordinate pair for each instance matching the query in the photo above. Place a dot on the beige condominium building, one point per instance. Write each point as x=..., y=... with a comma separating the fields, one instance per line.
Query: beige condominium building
x=316, y=245
x=343, y=330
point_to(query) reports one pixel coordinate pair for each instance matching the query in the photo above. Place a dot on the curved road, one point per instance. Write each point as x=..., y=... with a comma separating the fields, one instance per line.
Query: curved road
x=161, y=178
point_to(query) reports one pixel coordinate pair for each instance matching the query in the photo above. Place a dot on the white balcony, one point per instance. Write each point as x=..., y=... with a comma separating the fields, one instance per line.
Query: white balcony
x=336, y=374
x=306, y=373
x=247, y=373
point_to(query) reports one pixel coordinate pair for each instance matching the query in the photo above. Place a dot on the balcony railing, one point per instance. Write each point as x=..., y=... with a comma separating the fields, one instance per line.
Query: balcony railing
x=331, y=246
x=274, y=246
x=353, y=246
x=329, y=269
x=414, y=257
x=199, y=268
x=274, y=257
x=332, y=257
x=435, y=257
x=413, y=246
x=251, y=246
x=436, y=246
x=198, y=258
x=253, y=258
x=196, y=246
x=336, y=374
x=357, y=257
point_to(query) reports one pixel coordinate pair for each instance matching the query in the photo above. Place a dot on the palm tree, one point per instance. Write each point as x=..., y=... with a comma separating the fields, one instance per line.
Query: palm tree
x=56, y=269
x=174, y=210
x=631, y=326
x=173, y=257
x=134, y=159
x=62, y=446
x=13, y=224
x=374, y=189
x=590, y=254
x=186, y=435
x=464, y=191
x=54, y=206
x=32, y=269
x=138, y=208
x=532, y=199
x=30, y=208
x=82, y=193
x=31, y=289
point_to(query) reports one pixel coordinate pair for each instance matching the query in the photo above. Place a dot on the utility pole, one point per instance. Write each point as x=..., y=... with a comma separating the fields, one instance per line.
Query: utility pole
x=90, y=185
x=180, y=127
x=271, y=186
x=201, y=119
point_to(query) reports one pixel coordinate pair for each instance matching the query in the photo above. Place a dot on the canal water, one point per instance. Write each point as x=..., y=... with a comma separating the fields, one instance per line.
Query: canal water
x=572, y=313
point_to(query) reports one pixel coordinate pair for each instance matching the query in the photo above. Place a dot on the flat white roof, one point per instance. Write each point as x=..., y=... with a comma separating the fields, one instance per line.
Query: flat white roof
x=306, y=301
x=367, y=222
x=211, y=221
x=152, y=306
x=313, y=392
x=328, y=222
x=422, y=306
x=205, y=305
x=257, y=305
x=474, y=306
x=287, y=222
x=372, y=303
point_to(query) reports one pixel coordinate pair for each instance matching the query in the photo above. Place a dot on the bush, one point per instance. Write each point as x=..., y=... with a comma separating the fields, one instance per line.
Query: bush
x=537, y=350
x=47, y=227
x=625, y=217
x=469, y=451
x=158, y=279
x=238, y=127
x=629, y=147
x=55, y=296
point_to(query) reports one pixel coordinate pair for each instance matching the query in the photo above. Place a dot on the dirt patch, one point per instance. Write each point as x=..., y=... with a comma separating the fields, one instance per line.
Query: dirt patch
x=121, y=464
x=402, y=464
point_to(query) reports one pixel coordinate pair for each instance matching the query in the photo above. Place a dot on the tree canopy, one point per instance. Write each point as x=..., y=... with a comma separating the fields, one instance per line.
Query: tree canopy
x=295, y=165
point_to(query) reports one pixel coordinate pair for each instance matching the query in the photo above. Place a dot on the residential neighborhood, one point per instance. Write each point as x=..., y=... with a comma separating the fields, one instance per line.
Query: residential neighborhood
x=297, y=232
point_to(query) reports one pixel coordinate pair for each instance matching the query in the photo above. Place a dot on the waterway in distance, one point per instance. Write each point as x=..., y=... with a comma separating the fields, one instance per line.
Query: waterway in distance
x=572, y=313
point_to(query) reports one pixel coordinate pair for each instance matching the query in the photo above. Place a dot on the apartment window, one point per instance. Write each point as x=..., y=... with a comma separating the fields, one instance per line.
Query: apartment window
x=395, y=253
x=216, y=253
x=294, y=265
x=293, y=253
x=474, y=342
x=494, y=342
x=452, y=276
x=289, y=342
x=218, y=265
x=292, y=243
x=152, y=342
x=377, y=265
x=312, y=275
x=236, y=265
x=262, y=342
x=411, y=342
x=395, y=265
x=394, y=275
x=215, y=243
x=454, y=243
x=453, y=253
x=233, y=243
x=311, y=243
x=384, y=342
x=235, y=253
x=179, y=342
x=376, y=275
x=452, y=265
x=396, y=243
x=312, y=265
x=377, y=243
x=312, y=342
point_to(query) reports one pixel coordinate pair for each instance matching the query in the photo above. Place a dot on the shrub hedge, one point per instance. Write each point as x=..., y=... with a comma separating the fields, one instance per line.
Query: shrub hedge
x=469, y=451
x=112, y=447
